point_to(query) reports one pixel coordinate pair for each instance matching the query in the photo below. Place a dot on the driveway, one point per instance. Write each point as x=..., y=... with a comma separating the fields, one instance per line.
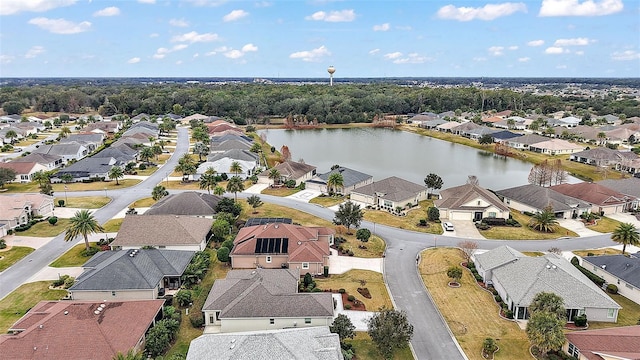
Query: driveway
x=341, y=264
x=626, y=218
x=464, y=229
x=305, y=195
x=28, y=241
x=577, y=227
x=256, y=188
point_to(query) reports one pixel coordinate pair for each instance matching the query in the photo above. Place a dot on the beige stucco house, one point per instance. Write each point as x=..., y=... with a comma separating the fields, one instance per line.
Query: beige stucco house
x=389, y=193
x=24, y=170
x=619, y=270
x=470, y=202
x=18, y=209
x=289, y=170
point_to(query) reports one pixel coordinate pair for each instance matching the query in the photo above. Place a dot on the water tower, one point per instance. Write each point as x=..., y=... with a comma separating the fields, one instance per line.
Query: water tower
x=331, y=70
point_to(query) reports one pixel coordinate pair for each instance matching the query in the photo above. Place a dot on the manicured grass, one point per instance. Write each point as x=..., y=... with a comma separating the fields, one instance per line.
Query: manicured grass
x=112, y=225
x=604, y=251
x=375, y=246
x=283, y=191
x=627, y=316
x=44, y=229
x=179, y=185
x=533, y=253
x=13, y=255
x=98, y=185
x=327, y=201
x=85, y=202
x=524, y=232
x=605, y=225
x=145, y=202
x=148, y=171
x=16, y=304
x=73, y=257
x=271, y=210
x=470, y=312
x=16, y=188
x=350, y=281
x=409, y=222
x=366, y=349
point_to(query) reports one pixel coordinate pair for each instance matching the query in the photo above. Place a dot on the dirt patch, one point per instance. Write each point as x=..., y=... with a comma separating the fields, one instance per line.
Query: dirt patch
x=355, y=304
x=364, y=292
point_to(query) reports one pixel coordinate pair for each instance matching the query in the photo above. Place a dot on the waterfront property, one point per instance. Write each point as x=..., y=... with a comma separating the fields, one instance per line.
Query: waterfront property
x=351, y=179
x=533, y=198
x=604, y=344
x=470, y=202
x=603, y=200
x=390, y=193
x=289, y=170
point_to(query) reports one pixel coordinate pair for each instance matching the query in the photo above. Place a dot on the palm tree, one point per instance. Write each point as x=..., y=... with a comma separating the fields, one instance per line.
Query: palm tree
x=157, y=150
x=219, y=190
x=626, y=234
x=82, y=223
x=275, y=175
x=162, y=143
x=200, y=149
x=159, y=192
x=152, y=140
x=40, y=177
x=602, y=136
x=65, y=131
x=235, y=185
x=235, y=168
x=187, y=166
x=116, y=173
x=11, y=135
x=544, y=220
x=146, y=154
x=255, y=202
x=334, y=182
x=130, y=355
x=208, y=180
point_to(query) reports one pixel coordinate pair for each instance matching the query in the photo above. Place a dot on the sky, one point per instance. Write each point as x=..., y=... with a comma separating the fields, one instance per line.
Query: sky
x=302, y=38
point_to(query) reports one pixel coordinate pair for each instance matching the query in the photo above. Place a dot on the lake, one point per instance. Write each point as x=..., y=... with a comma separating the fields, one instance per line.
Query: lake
x=385, y=152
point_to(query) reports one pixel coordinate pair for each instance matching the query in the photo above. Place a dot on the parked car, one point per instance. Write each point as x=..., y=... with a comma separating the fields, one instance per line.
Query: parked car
x=447, y=226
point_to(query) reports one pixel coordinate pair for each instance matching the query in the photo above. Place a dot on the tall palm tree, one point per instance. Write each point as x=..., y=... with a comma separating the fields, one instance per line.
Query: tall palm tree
x=116, y=173
x=162, y=143
x=235, y=168
x=146, y=154
x=65, y=131
x=219, y=190
x=274, y=174
x=208, y=180
x=159, y=192
x=187, y=166
x=626, y=234
x=82, y=223
x=41, y=177
x=157, y=150
x=235, y=185
x=11, y=135
x=335, y=182
x=544, y=220
x=200, y=149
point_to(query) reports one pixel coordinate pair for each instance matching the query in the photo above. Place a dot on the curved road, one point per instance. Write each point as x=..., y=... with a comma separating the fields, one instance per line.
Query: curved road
x=432, y=338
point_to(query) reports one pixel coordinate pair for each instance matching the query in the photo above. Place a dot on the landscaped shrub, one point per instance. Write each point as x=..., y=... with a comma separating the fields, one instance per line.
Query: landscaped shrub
x=580, y=321
x=593, y=277
x=316, y=290
x=160, y=336
x=471, y=265
x=342, y=291
x=528, y=213
x=326, y=271
x=478, y=277
x=347, y=307
x=494, y=221
x=575, y=261
x=590, y=254
x=60, y=281
x=508, y=314
x=61, y=203
x=68, y=282
x=290, y=184
x=482, y=226
x=53, y=220
x=142, y=167
x=350, y=253
x=89, y=252
x=489, y=346
x=351, y=297
x=183, y=297
x=498, y=298
x=197, y=319
x=493, y=291
x=3, y=244
x=612, y=289
x=514, y=223
x=423, y=222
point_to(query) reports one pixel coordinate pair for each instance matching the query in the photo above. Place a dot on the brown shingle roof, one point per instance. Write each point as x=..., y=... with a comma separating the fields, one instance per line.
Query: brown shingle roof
x=72, y=330
x=19, y=167
x=593, y=193
x=162, y=230
x=457, y=197
x=392, y=188
x=623, y=342
x=291, y=169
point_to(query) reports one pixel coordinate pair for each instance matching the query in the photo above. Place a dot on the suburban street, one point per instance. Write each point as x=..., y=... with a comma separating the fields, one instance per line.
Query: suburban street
x=432, y=338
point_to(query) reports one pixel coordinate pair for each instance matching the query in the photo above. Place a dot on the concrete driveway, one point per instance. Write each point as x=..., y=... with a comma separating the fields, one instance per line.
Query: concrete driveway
x=256, y=188
x=464, y=229
x=626, y=218
x=577, y=227
x=27, y=241
x=341, y=264
x=305, y=195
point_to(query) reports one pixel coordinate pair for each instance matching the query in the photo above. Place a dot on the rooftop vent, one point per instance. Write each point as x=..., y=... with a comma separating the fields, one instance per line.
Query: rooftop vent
x=66, y=313
x=604, y=267
x=97, y=312
x=41, y=326
x=553, y=266
x=548, y=266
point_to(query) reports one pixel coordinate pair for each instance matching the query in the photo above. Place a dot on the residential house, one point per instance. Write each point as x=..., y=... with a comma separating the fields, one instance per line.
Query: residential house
x=504, y=136
x=448, y=126
x=230, y=135
x=189, y=203
x=277, y=245
x=432, y=124
x=17, y=209
x=96, y=330
x=603, y=200
x=390, y=193
x=87, y=169
x=20, y=134
x=523, y=142
x=90, y=140
x=140, y=274
x=122, y=154
x=478, y=132
x=533, y=198
x=464, y=128
x=351, y=179
x=24, y=170
x=264, y=299
x=50, y=162
x=4, y=230
x=470, y=202
x=187, y=119
x=624, y=135
x=619, y=270
x=141, y=117
x=13, y=118
x=555, y=147
x=221, y=163
x=68, y=152
x=602, y=156
x=312, y=343
x=585, y=133
x=569, y=121
x=172, y=232
x=108, y=128
x=226, y=145
x=216, y=127
x=620, y=343
x=628, y=186
x=519, y=278
x=289, y=170
x=31, y=127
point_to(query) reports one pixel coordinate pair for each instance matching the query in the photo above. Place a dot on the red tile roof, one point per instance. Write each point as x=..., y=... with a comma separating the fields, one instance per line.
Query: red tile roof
x=623, y=342
x=19, y=167
x=73, y=330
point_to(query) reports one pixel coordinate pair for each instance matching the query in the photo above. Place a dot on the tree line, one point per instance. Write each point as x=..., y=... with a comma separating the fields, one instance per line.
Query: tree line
x=251, y=103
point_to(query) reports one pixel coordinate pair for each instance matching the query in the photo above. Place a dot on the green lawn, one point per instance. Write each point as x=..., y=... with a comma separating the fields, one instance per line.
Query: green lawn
x=327, y=201
x=85, y=202
x=283, y=191
x=145, y=202
x=73, y=257
x=366, y=349
x=604, y=225
x=524, y=232
x=604, y=251
x=44, y=229
x=13, y=255
x=409, y=222
x=112, y=225
x=16, y=304
x=351, y=281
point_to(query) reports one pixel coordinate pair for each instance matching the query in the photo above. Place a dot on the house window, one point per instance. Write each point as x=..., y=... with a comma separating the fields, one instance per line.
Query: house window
x=573, y=351
x=307, y=320
x=217, y=315
x=113, y=293
x=611, y=313
x=272, y=321
x=628, y=286
x=161, y=247
x=388, y=203
x=492, y=214
x=268, y=259
x=211, y=319
x=508, y=201
x=305, y=265
x=478, y=202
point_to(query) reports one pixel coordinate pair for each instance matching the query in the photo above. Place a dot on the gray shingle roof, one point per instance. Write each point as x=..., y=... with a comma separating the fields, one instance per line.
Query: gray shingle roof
x=628, y=186
x=540, y=197
x=38, y=158
x=117, y=270
x=497, y=257
x=235, y=154
x=59, y=149
x=350, y=177
x=80, y=138
x=88, y=167
x=393, y=188
x=229, y=145
x=187, y=203
x=291, y=169
x=311, y=343
x=162, y=230
x=620, y=266
x=529, y=139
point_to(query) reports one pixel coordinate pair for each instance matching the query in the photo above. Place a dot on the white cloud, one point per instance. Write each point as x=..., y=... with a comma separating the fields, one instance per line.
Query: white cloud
x=561, y=67
x=109, y=11
x=496, y=50
x=234, y=54
x=314, y=55
x=154, y=35
x=333, y=16
x=34, y=51
x=134, y=60
x=263, y=4
x=479, y=58
x=210, y=3
x=573, y=42
x=535, y=43
x=412, y=58
x=194, y=37
x=9, y=7
x=625, y=55
x=196, y=55
x=579, y=52
x=5, y=59
x=524, y=59
x=249, y=47
x=162, y=52
x=555, y=50
x=393, y=55
x=580, y=8
x=487, y=12
x=374, y=51
x=179, y=62
x=513, y=47
x=382, y=27
x=60, y=26
x=235, y=15
x=147, y=1
x=179, y=47
x=179, y=22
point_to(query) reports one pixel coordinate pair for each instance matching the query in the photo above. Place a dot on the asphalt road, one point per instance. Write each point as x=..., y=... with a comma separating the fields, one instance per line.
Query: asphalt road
x=432, y=338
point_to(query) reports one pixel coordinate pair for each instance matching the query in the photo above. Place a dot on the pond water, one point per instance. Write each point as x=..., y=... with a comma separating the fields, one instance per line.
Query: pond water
x=385, y=152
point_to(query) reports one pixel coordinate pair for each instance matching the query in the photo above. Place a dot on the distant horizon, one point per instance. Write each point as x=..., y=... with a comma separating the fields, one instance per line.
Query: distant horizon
x=335, y=79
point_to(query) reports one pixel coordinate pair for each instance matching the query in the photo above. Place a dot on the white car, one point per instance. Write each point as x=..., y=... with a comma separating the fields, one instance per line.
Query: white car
x=447, y=226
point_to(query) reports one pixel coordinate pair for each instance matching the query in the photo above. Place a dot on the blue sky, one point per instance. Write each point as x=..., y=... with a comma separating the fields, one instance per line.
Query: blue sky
x=297, y=38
